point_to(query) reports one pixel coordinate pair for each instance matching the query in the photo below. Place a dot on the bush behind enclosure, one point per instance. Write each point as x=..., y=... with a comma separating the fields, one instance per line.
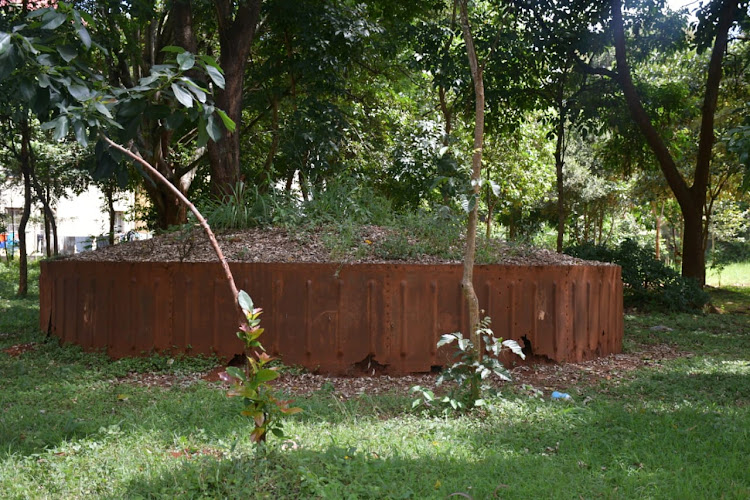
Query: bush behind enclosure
x=648, y=282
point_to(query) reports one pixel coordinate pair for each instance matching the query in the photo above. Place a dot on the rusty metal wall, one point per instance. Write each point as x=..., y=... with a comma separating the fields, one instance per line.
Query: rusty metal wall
x=327, y=316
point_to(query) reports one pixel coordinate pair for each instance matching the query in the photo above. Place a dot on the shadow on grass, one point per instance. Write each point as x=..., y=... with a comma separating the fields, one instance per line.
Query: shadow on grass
x=592, y=452
x=731, y=299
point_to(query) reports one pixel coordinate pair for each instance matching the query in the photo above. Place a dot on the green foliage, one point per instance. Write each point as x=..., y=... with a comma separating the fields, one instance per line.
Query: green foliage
x=252, y=385
x=435, y=232
x=243, y=208
x=470, y=371
x=647, y=281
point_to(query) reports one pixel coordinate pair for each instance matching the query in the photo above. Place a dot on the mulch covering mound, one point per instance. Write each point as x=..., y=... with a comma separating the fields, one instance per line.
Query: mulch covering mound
x=279, y=245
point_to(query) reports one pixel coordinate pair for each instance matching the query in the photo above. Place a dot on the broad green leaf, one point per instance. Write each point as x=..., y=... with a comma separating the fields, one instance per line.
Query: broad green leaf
x=4, y=41
x=148, y=80
x=235, y=372
x=513, y=346
x=202, y=134
x=79, y=129
x=216, y=76
x=446, y=339
x=213, y=129
x=50, y=124
x=36, y=13
x=182, y=95
x=495, y=188
x=209, y=61
x=185, y=60
x=79, y=92
x=246, y=303
x=196, y=90
x=84, y=35
x=463, y=344
x=228, y=122
x=266, y=375
x=53, y=19
x=67, y=52
x=46, y=60
x=173, y=49
x=100, y=107
x=61, y=130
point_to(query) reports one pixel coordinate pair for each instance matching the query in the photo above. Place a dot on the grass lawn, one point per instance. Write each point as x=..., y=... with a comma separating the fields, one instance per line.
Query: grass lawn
x=72, y=427
x=735, y=274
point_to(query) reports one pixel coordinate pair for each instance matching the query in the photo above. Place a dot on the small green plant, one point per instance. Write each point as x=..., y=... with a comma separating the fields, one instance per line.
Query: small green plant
x=470, y=371
x=259, y=398
x=243, y=208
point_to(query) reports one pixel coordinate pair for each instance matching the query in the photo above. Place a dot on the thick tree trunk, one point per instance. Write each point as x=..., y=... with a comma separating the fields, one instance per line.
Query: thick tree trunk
x=693, y=252
x=467, y=281
x=236, y=32
x=691, y=199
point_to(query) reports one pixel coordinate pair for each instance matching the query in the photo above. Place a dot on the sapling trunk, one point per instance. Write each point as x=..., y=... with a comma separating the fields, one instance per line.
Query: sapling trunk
x=203, y=222
x=467, y=282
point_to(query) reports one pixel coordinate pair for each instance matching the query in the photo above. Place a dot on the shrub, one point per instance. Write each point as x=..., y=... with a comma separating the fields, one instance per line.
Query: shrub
x=469, y=371
x=647, y=281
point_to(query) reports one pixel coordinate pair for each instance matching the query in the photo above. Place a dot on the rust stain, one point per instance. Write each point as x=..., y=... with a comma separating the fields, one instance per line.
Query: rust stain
x=329, y=317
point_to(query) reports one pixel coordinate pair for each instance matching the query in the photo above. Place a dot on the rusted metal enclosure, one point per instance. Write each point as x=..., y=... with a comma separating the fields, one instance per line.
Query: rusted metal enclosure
x=330, y=317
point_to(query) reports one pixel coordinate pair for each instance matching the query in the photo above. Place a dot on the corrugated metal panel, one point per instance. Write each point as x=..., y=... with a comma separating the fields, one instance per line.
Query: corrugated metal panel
x=331, y=317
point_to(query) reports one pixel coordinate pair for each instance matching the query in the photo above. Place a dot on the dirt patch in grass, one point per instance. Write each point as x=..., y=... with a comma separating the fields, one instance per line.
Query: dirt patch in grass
x=18, y=349
x=615, y=368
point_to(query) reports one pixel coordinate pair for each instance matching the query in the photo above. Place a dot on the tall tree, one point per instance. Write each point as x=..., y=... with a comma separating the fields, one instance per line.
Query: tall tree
x=717, y=18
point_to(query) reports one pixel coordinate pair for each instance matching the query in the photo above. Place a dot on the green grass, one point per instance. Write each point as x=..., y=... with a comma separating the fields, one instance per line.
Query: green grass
x=69, y=428
x=735, y=274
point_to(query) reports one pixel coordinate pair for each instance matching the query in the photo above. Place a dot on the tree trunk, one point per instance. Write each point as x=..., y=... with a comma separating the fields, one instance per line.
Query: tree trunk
x=49, y=216
x=467, y=281
x=559, y=163
x=691, y=199
x=109, y=195
x=693, y=254
x=236, y=33
x=657, y=247
x=23, y=275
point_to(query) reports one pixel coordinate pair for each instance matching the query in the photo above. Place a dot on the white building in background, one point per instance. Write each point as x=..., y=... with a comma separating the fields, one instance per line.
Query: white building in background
x=82, y=220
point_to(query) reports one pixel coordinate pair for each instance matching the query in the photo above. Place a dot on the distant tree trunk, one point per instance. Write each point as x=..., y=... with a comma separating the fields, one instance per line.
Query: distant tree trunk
x=25, y=160
x=467, y=281
x=237, y=27
x=274, y=136
x=559, y=164
x=49, y=216
x=110, y=198
x=658, y=216
x=691, y=199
